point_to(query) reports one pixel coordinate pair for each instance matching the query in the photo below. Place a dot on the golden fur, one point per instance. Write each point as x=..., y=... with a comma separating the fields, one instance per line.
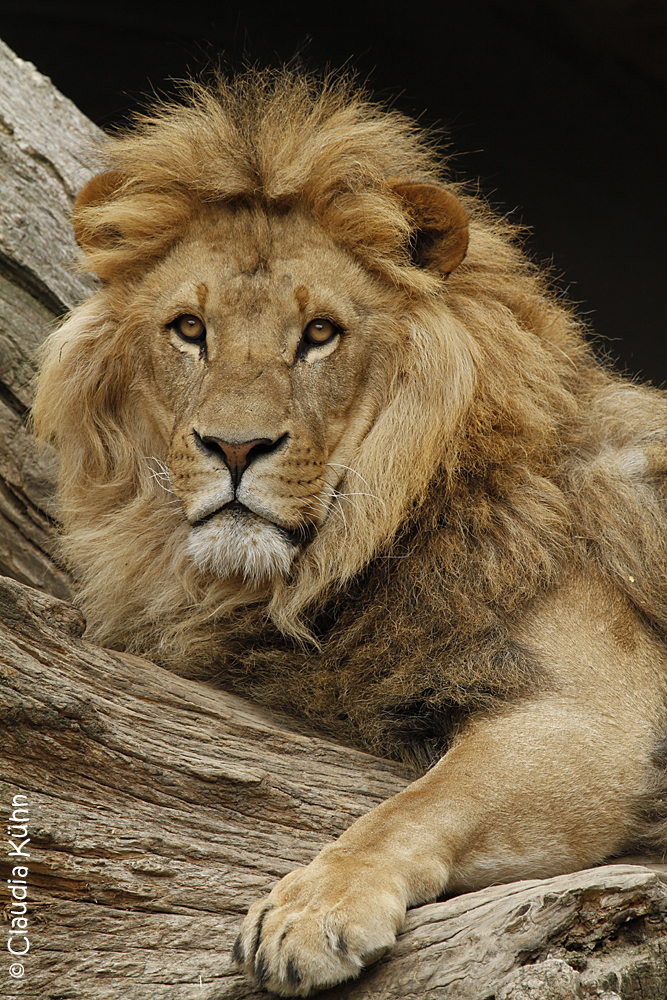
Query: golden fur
x=452, y=474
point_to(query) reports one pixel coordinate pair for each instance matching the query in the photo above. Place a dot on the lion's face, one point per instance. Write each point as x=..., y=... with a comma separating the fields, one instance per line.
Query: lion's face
x=265, y=346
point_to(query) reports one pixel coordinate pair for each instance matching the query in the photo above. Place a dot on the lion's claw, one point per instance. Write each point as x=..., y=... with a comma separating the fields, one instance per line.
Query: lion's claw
x=314, y=932
x=293, y=974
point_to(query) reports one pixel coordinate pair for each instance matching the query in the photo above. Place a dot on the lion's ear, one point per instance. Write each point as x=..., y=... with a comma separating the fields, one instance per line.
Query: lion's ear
x=440, y=225
x=99, y=189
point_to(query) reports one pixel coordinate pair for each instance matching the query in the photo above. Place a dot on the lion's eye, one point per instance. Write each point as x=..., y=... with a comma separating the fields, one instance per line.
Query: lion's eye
x=189, y=327
x=320, y=331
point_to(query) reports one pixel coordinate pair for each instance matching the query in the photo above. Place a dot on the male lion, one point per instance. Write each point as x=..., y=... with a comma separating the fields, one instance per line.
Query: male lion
x=327, y=435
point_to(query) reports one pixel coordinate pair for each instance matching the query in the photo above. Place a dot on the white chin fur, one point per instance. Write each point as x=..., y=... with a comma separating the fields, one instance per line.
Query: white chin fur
x=229, y=545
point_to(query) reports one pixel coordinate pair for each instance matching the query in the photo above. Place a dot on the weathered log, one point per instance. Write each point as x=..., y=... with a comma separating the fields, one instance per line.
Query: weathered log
x=157, y=808
x=46, y=155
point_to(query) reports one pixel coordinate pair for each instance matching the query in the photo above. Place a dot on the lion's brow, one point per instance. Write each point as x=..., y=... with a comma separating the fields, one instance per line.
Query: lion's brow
x=202, y=294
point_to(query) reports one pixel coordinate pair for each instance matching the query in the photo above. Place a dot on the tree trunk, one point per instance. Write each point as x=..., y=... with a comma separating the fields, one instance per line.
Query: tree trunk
x=47, y=153
x=156, y=808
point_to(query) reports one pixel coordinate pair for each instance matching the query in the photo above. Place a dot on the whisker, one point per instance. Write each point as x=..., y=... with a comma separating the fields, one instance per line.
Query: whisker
x=338, y=506
x=343, y=496
x=372, y=496
x=349, y=468
x=161, y=475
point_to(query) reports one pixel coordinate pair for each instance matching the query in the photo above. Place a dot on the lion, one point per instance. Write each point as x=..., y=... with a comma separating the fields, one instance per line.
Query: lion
x=328, y=438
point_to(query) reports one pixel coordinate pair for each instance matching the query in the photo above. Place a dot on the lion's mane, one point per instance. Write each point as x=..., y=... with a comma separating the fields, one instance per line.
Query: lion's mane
x=506, y=456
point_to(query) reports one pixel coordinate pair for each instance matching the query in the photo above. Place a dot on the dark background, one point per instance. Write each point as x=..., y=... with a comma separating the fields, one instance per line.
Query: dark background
x=556, y=108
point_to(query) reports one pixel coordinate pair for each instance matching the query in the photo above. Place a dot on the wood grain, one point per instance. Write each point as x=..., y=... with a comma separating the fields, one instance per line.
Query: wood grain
x=160, y=808
x=47, y=153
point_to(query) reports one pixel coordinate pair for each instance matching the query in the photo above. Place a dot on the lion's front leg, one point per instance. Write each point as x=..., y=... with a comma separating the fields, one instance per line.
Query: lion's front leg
x=538, y=791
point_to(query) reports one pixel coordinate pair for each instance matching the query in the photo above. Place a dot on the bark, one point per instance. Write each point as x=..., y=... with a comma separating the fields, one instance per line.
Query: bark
x=158, y=808
x=46, y=155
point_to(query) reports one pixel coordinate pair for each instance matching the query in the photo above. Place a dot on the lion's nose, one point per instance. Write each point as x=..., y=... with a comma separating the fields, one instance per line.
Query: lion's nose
x=237, y=455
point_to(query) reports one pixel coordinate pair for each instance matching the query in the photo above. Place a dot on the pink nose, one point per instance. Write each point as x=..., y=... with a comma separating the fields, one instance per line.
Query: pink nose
x=238, y=456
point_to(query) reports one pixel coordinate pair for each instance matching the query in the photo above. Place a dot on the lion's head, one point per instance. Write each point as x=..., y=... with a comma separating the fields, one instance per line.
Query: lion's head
x=283, y=354
x=263, y=352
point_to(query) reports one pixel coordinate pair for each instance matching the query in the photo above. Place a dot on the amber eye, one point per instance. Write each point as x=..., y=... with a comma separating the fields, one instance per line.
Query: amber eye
x=189, y=327
x=320, y=331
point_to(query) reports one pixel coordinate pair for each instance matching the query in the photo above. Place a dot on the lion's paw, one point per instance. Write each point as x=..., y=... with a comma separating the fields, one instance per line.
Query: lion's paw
x=319, y=926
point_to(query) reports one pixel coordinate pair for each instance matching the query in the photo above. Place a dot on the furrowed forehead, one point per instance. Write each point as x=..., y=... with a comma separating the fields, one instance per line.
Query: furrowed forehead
x=228, y=245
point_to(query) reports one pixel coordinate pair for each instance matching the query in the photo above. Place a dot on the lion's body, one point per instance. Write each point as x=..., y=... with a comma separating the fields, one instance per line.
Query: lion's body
x=386, y=488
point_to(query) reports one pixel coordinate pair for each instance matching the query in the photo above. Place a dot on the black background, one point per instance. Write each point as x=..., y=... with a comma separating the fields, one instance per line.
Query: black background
x=556, y=108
